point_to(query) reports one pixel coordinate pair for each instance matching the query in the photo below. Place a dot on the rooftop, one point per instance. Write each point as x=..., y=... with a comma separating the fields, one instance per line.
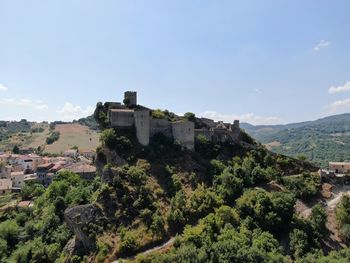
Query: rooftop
x=81, y=168
x=24, y=204
x=339, y=163
x=17, y=173
x=121, y=110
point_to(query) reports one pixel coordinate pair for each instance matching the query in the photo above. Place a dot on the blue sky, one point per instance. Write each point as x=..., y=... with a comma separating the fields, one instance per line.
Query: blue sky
x=264, y=62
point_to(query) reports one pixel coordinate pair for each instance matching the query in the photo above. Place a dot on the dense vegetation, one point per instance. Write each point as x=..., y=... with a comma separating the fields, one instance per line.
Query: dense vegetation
x=321, y=141
x=225, y=202
x=39, y=233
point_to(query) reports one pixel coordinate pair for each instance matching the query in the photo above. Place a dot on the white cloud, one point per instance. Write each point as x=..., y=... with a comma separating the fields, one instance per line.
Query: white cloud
x=24, y=103
x=339, y=105
x=247, y=117
x=321, y=44
x=3, y=88
x=334, y=89
x=71, y=112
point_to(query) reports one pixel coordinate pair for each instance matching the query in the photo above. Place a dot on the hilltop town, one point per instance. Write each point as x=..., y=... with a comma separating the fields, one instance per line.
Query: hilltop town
x=156, y=176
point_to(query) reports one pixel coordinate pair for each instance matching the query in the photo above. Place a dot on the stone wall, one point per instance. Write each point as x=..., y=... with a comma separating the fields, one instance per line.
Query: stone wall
x=208, y=122
x=142, y=125
x=121, y=118
x=160, y=126
x=183, y=132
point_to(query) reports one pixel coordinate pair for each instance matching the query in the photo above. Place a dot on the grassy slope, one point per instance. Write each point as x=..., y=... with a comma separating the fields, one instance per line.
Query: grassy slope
x=70, y=135
x=26, y=138
x=73, y=135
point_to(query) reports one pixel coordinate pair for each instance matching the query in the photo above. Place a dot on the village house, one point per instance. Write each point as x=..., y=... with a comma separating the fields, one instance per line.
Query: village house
x=5, y=186
x=42, y=173
x=337, y=172
x=36, y=160
x=72, y=153
x=339, y=167
x=26, y=150
x=5, y=171
x=88, y=154
x=84, y=170
x=17, y=179
x=24, y=161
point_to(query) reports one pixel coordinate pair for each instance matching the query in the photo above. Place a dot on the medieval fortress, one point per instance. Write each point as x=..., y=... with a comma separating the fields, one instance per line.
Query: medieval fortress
x=129, y=115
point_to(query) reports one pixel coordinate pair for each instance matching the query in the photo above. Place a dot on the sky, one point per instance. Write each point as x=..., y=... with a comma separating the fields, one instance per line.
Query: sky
x=263, y=62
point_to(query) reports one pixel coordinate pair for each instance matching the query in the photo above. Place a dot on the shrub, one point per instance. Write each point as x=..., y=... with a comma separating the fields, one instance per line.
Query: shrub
x=109, y=138
x=158, y=114
x=54, y=136
x=128, y=244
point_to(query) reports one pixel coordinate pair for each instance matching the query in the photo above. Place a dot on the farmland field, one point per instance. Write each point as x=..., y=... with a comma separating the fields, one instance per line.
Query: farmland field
x=72, y=135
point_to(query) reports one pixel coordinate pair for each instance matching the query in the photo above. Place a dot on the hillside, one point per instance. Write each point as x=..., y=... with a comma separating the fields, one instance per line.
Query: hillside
x=73, y=135
x=321, y=141
x=230, y=201
x=26, y=134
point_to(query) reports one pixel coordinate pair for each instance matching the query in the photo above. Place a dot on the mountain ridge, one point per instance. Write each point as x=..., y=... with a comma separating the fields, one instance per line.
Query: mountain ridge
x=322, y=140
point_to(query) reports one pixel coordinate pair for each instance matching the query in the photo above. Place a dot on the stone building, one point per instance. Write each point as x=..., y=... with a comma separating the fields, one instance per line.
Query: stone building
x=131, y=115
x=219, y=131
x=340, y=167
x=337, y=173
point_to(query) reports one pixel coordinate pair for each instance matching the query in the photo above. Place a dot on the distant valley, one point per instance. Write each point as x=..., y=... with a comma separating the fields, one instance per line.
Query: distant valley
x=321, y=141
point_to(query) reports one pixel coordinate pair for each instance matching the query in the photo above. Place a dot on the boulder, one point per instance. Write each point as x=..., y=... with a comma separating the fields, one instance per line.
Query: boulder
x=80, y=220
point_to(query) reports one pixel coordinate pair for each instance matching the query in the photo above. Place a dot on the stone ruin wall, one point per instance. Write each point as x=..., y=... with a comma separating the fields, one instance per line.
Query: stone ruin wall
x=160, y=126
x=183, y=132
x=121, y=118
x=142, y=124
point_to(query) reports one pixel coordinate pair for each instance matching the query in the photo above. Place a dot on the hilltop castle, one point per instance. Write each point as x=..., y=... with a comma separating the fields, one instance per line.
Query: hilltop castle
x=129, y=114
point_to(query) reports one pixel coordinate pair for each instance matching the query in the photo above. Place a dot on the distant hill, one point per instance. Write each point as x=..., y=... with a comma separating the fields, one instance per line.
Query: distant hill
x=80, y=133
x=321, y=141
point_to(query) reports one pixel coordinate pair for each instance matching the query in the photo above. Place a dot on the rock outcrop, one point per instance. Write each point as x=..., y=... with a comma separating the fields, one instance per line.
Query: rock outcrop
x=81, y=220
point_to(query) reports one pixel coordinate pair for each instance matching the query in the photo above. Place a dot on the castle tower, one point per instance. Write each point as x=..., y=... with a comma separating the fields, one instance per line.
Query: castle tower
x=130, y=98
x=236, y=124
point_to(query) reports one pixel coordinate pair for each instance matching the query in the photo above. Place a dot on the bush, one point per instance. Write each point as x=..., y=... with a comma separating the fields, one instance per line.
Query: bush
x=54, y=136
x=158, y=114
x=128, y=244
x=109, y=138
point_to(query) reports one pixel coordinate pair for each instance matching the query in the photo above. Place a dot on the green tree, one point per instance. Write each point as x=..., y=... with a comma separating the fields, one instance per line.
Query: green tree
x=190, y=116
x=157, y=226
x=298, y=243
x=9, y=231
x=15, y=149
x=318, y=218
x=109, y=138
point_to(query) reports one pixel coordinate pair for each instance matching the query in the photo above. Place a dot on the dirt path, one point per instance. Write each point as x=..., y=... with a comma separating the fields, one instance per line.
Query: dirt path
x=165, y=245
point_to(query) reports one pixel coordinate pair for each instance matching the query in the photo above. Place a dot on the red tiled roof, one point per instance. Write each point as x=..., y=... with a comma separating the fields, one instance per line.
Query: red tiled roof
x=81, y=168
x=24, y=204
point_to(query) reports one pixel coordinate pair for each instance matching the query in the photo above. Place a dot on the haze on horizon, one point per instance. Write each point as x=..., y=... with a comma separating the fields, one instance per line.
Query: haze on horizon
x=263, y=62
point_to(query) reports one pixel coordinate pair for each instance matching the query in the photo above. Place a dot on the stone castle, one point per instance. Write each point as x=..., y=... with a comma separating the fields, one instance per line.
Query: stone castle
x=129, y=115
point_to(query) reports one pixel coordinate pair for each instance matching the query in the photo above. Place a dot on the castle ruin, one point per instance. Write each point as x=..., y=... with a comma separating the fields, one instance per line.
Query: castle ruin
x=131, y=115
